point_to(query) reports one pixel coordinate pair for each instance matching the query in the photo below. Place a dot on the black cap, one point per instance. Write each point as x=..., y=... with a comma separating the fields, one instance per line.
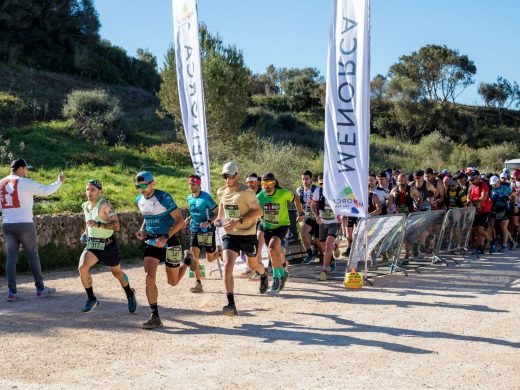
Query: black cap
x=418, y=173
x=95, y=183
x=268, y=176
x=19, y=163
x=382, y=174
x=473, y=176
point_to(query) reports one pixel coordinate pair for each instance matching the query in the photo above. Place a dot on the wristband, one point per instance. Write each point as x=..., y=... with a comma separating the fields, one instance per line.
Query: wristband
x=301, y=213
x=241, y=219
x=99, y=224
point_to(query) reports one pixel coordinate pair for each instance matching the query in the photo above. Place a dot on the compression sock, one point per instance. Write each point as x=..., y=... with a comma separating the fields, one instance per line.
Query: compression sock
x=90, y=293
x=231, y=299
x=128, y=291
x=154, y=309
x=281, y=272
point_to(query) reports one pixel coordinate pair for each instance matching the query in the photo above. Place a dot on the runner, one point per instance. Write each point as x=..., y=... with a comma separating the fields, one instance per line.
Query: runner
x=401, y=199
x=329, y=226
x=275, y=224
x=201, y=221
x=427, y=191
x=479, y=198
x=502, y=199
x=254, y=183
x=455, y=196
x=16, y=199
x=101, y=223
x=162, y=221
x=515, y=186
x=310, y=228
x=238, y=212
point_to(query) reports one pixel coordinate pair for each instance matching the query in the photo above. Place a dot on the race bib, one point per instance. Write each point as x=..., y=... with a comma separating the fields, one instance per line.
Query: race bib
x=96, y=243
x=231, y=211
x=174, y=254
x=501, y=215
x=328, y=214
x=308, y=214
x=403, y=209
x=205, y=239
x=272, y=213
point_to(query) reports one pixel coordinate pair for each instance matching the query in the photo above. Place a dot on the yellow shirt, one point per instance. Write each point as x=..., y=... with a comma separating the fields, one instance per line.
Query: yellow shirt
x=237, y=203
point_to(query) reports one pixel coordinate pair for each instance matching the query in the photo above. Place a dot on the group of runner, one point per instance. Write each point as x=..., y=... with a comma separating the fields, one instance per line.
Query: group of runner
x=251, y=215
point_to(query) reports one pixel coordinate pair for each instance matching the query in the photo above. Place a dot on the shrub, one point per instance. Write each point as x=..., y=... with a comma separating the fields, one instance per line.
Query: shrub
x=492, y=158
x=173, y=154
x=93, y=114
x=434, y=150
x=13, y=110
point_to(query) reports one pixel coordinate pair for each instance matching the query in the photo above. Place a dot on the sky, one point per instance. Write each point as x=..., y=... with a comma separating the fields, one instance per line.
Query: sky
x=295, y=33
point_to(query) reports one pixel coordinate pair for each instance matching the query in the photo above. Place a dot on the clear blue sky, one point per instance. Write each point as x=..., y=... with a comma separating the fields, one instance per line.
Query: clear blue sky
x=294, y=33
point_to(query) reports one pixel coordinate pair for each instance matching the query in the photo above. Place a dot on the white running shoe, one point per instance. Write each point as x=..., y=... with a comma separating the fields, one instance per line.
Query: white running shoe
x=45, y=292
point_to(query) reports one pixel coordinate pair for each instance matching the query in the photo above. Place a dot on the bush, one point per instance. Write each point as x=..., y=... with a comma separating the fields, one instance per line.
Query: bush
x=434, y=150
x=276, y=103
x=13, y=110
x=93, y=114
x=173, y=154
x=492, y=158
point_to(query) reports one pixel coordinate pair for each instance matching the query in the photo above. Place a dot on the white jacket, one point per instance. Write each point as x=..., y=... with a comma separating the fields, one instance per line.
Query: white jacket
x=16, y=197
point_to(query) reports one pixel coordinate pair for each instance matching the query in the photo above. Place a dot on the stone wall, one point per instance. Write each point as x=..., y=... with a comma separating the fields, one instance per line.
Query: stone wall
x=58, y=239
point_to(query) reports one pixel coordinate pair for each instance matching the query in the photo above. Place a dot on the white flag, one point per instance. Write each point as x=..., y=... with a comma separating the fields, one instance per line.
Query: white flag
x=189, y=80
x=347, y=109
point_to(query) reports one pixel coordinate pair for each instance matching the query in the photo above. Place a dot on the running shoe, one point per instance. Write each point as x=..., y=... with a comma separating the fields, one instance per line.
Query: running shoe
x=308, y=259
x=152, y=323
x=504, y=248
x=264, y=283
x=284, y=279
x=479, y=251
x=197, y=288
x=277, y=282
x=332, y=265
x=132, y=302
x=89, y=305
x=323, y=275
x=254, y=277
x=229, y=310
x=189, y=260
x=45, y=292
x=512, y=245
x=335, y=251
x=493, y=248
x=11, y=296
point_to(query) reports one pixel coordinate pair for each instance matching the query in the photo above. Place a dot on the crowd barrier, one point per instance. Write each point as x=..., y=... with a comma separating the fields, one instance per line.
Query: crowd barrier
x=396, y=241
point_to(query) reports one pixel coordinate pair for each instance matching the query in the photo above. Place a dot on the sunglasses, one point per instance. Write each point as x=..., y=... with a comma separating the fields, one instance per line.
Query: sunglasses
x=320, y=183
x=228, y=176
x=142, y=186
x=268, y=182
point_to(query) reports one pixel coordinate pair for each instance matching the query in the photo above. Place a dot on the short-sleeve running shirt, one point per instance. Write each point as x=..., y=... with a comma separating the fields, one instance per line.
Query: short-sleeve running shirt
x=237, y=203
x=274, y=207
x=156, y=211
x=475, y=192
x=201, y=211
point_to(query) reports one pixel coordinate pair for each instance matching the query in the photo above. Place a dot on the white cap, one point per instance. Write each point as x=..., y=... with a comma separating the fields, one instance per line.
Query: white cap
x=230, y=168
x=504, y=175
x=494, y=180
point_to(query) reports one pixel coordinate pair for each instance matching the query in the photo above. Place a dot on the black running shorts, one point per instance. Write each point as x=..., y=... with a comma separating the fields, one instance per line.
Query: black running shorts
x=247, y=244
x=110, y=256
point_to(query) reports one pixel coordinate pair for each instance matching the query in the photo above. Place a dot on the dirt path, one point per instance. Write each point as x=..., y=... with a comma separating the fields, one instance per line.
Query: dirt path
x=456, y=327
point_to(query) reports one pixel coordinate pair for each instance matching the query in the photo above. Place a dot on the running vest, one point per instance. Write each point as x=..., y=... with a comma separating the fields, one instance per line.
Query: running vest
x=93, y=214
x=403, y=200
x=306, y=205
x=425, y=195
x=454, y=198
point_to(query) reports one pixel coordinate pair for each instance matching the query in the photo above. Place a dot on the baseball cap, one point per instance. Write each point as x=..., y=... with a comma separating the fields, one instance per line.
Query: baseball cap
x=96, y=183
x=230, y=168
x=418, y=173
x=474, y=175
x=19, y=163
x=459, y=175
x=494, y=180
x=268, y=177
x=451, y=181
x=445, y=171
x=504, y=175
x=144, y=176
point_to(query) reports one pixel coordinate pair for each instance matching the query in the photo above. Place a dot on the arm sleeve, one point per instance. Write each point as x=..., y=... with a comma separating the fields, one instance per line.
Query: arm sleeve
x=35, y=188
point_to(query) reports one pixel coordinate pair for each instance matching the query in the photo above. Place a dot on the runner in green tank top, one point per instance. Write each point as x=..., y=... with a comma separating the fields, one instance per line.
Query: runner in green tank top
x=275, y=224
x=101, y=222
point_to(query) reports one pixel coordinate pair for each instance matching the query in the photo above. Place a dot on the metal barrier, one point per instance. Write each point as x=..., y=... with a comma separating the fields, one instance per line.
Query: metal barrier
x=423, y=229
x=455, y=233
x=385, y=237
x=294, y=248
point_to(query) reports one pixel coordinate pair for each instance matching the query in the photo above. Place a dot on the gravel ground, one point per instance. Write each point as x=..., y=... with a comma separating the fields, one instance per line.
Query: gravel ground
x=455, y=327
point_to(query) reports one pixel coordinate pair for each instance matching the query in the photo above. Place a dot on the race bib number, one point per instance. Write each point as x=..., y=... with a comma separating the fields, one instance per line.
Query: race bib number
x=403, y=209
x=272, y=213
x=96, y=243
x=231, y=211
x=308, y=214
x=174, y=254
x=205, y=239
x=328, y=214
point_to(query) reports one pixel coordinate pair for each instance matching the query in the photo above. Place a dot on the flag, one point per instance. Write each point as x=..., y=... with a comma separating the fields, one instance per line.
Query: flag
x=189, y=81
x=347, y=109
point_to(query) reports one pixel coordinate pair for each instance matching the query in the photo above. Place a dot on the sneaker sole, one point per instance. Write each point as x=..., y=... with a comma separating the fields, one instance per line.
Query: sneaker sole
x=196, y=291
x=149, y=327
x=230, y=314
x=91, y=309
